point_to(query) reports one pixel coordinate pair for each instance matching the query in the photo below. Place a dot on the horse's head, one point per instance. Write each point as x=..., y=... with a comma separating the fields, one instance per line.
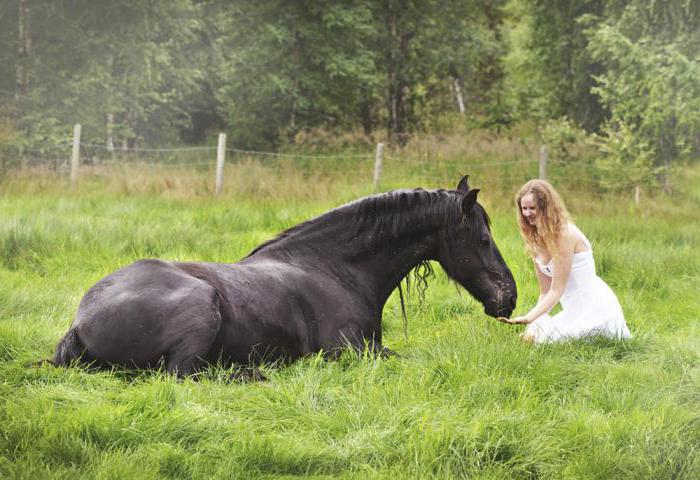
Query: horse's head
x=470, y=256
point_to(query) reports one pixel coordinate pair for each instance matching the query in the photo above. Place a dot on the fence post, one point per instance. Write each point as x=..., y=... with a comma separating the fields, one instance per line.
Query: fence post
x=544, y=155
x=220, y=157
x=637, y=195
x=75, y=158
x=378, y=165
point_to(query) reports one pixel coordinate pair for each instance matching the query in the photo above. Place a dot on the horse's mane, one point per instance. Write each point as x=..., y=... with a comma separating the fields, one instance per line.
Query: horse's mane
x=384, y=215
x=381, y=216
x=375, y=217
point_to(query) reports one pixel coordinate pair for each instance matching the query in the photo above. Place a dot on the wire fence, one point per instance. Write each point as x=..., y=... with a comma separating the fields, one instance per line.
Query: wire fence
x=241, y=168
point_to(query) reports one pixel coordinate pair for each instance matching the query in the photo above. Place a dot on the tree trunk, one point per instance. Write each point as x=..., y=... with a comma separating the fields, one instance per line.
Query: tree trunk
x=110, y=132
x=24, y=50
x=110, y=140
x=125, y=137
x=458, y=95
x=399, y=87
x=401, y=132
x=391, y=76
x=365, y=110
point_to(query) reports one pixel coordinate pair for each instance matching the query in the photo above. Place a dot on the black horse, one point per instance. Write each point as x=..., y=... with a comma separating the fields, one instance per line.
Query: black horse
x=318, y=286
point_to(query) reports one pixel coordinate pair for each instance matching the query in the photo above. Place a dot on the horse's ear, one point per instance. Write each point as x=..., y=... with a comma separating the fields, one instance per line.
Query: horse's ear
x=469, y=200
x=463, y=185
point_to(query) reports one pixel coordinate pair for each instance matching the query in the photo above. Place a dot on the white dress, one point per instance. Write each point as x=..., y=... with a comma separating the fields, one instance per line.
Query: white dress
x=589, y=306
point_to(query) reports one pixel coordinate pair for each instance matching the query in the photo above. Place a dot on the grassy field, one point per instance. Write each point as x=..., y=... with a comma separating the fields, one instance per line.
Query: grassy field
x=465, y=399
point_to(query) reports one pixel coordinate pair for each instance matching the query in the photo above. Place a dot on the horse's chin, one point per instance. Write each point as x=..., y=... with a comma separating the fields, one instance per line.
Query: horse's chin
x=498, y=312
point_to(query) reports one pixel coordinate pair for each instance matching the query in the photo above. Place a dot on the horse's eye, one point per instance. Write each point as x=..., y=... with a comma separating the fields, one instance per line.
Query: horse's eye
x=485, y=241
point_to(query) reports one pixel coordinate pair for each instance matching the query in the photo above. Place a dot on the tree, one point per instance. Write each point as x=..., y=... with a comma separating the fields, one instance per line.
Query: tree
x=339, y=64
x=124, y=70
x=551, y=72
x=294, y=65
x=167, y=71
x=651, y=52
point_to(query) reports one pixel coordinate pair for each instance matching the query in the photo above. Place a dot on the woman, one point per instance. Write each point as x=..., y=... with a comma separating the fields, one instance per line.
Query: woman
x=566, y=273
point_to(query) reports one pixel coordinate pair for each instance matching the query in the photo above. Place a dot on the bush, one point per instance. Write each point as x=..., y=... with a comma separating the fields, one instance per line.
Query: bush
x=625, y=158
x=7, y=136
x=568, y=143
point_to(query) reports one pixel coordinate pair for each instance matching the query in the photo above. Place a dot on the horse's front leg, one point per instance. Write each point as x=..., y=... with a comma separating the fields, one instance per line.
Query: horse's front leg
x=360, y=340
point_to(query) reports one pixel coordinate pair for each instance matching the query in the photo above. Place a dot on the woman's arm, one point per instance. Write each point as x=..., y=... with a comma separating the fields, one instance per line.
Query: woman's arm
x=556, y=285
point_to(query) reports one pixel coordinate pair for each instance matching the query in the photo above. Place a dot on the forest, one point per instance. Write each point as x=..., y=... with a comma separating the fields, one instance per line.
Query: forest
x=617, y=80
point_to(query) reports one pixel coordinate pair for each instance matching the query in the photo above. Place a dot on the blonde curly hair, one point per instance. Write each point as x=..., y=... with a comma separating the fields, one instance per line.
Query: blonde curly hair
x=552, y=218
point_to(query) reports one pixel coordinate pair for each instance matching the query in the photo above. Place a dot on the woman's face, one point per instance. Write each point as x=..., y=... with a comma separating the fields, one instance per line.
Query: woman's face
x=528, y=209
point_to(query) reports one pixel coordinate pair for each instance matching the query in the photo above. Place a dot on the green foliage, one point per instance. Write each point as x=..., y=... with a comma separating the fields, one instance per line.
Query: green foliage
x=166, y=72
x=7, y=132
x=629, y=71
x=370, y=64
x=549, y=67
x=93, y=60
x=651, y=51
x=275, y=73
x=566, y=141
x=624, y=159
x=292, y=66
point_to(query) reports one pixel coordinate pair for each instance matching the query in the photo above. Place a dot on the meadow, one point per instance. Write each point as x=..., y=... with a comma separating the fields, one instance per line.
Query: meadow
x=464, y=399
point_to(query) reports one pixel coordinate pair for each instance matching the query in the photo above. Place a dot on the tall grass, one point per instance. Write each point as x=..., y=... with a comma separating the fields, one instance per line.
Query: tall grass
x=465, y=399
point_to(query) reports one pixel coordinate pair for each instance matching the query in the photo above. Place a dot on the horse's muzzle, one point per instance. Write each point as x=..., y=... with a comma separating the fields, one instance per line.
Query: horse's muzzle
x=502, y=306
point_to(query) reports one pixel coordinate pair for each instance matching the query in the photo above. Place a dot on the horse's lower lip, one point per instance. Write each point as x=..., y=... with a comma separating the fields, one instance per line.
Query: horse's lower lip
x=500, y=312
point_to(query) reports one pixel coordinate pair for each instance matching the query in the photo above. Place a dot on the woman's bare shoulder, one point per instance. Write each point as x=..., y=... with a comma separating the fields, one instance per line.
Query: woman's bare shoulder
x=568, y=239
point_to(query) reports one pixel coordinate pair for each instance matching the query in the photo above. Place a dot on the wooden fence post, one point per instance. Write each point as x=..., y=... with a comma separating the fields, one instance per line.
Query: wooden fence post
x=75, y=158
x=544, y=155
x=378, y=165
x=220, y=157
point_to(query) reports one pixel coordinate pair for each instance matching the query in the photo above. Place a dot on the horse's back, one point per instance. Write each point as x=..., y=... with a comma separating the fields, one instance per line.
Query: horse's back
x=136, y=314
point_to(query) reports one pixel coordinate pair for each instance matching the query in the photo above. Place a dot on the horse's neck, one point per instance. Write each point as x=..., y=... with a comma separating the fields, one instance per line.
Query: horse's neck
x=374, y=270
x=381, y=269
x=374, y=261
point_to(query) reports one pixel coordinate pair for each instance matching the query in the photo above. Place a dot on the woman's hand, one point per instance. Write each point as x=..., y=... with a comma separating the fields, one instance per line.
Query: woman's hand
x=515, y=320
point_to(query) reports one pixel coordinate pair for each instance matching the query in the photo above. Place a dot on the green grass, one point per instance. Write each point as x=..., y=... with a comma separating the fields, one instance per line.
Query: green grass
x=465, y=399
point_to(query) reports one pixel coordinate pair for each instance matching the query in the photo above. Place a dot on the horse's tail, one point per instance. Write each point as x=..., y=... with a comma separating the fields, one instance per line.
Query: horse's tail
x=70, y=348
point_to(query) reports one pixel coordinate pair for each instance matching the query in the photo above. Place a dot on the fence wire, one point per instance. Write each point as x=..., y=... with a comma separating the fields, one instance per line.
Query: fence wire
x=398, y=169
